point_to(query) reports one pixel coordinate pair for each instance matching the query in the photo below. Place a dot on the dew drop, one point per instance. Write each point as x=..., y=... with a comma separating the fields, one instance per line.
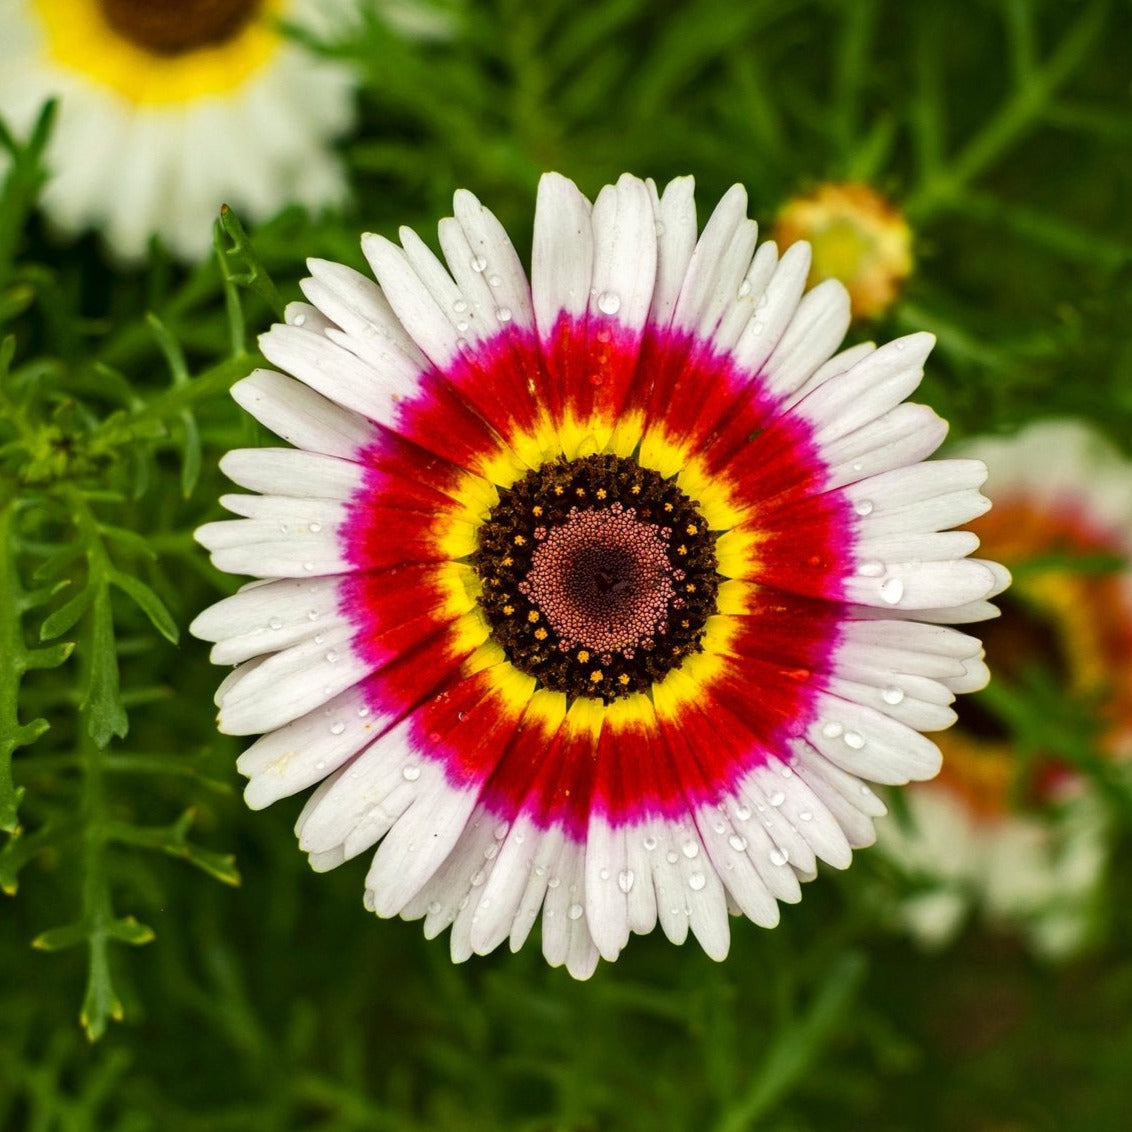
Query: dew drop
x=625, y=880
x=491, y=852
x=459, y=306
x=650, y=844
x=870, y=569
x=479, y=264
x=696, y=881
x=478, y=878
x=779, y=856
x=866, y=790
x=609, y=302
x=743, y=813
x=500, y=831
x=495, y=281
x=604, y=874
x=319, y=639
x=858, y=466
x=892, y=695
x=312, y=614
x=411, y=773
x=320, y=765
x=461, y=328
x=899, y=344
x=660, y=227
x=337, y=727
x=275, y=623
x=786, y=772
x=892, y=590
x=332, y=656
x=757, y=326
x=854, y=739
x=805, y=815
x=283, y=528
x=744, y=288
x=671, y=857
x=434, y=908
x=503, y=314
x=363, y=711
x=737, y=843
x=540, y=871
x=832, y=730
x=554, y=882
x=299, y=320
x=314, y=528
x=864, y=507
x=690, y=849
x=574, y=911
x=308, y=566
x=777, y=798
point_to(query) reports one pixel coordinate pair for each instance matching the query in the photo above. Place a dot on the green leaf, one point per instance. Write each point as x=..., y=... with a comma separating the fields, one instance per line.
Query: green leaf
x=149, y=603
x=59, y=939
x=102, y=700
x=67, y=615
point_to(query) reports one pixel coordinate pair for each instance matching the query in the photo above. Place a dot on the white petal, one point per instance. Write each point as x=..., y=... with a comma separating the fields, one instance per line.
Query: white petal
x=624, y=264
x=774, y=309
x=287, y=471
x=290, y=683
x=815, y=331
x=301, y=416
x=563, y=253
x=675, y=211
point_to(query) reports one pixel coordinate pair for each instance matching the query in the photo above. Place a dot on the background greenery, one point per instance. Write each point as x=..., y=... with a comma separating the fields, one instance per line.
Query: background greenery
x=271, y=1000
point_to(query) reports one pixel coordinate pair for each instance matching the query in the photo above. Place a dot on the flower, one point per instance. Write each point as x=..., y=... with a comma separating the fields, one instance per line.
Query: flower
x=599, y=596
x=857, y=236
x=1010, y=825
x=169, y=110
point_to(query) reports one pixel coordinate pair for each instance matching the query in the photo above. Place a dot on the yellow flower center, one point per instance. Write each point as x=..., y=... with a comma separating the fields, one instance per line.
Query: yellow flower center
x=162, y=53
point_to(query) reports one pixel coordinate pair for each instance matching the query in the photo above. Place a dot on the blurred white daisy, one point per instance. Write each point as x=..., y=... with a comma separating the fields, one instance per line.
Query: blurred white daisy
x=168, y=110
x=1020, y=835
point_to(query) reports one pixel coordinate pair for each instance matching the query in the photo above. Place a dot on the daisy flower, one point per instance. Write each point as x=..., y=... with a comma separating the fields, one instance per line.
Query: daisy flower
x=600, y=598
x=168, y=110
x=1019, y=833
x=857, y=236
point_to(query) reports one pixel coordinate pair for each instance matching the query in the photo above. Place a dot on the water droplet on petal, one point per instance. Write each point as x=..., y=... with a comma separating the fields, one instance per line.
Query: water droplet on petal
x=744, y=288
x=479, y=264
x=434, y=908
x=332, y=656
x=495, y=281
x=743, y=813
x=363, y=711
x=650, y=844
x=864, y=507
x=892, y=590
x=696, y=881
x=312, y=615
x=314, y=528
x=832, y=730
x=870, y=569
x=625, y=880
x=737, y=843
x=554, y=882
x=805, y=815
x=892, y=695
x=503, y=314
x=275, y=623
x=690, y=849
x=459, y=306
x=411, y=773
x=478, y=878
x=308, y=566
x=777, y=798
x=604, y=874
x=299, y=320
x=500, y=831
x=609, y=302
x=337, y=727
x=575, y=912
x=671, y=857
x=779, y=856
x=853, y=739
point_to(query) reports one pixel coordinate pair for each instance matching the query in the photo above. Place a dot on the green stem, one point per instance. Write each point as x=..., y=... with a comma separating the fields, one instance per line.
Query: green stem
x=1020, y=114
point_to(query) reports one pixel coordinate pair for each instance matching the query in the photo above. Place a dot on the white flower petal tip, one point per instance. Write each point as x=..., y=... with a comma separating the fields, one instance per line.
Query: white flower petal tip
x=147, y=141
x=596, y=602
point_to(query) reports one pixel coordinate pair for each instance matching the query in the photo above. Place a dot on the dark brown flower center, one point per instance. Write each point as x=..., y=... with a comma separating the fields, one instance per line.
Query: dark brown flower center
x=176, y=27
x=598, y=576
